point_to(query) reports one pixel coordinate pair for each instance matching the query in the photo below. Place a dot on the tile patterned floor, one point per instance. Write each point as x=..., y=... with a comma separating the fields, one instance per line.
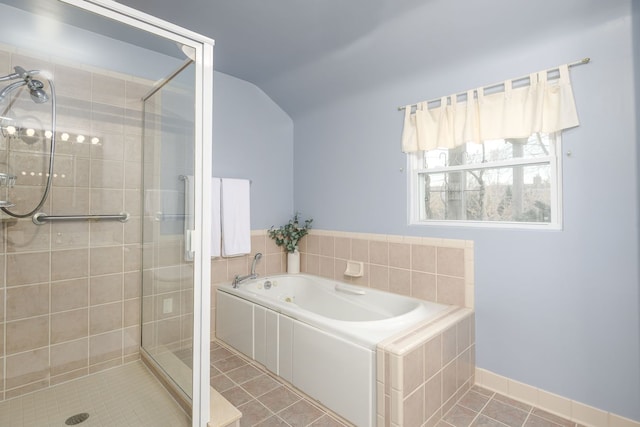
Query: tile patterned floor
x=263, y=399
x=126, y=396
x=480, y=407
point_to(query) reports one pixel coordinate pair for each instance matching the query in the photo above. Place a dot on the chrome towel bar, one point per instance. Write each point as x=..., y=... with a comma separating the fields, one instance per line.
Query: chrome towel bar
x=41, y=217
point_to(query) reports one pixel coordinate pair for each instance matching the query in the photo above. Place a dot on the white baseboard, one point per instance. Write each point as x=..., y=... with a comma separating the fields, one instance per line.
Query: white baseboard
x=558, y=405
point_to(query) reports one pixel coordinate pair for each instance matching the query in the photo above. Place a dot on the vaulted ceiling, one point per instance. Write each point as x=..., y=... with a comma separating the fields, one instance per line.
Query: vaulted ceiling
x=304, y=53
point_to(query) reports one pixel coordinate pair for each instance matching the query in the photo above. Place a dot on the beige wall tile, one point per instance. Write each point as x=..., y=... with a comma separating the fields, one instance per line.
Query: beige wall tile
x=132, y=176
x=450, y=261
x=70, y=201
x=400, y=255
x=433, y=396
x=170, y=253
x=69, y=294
x=312, y=264
x=104, y=318
x=132, y=340
x=69, y=325
x=106, y=233
x=326, y=267
x=132, y=312
x=413, y=408
x=24, y=235
x=107, y=119
x=339, y=267
x=451, y=290
x=432, y=357
x=105, y=289
x=108, y=90
x=379, y=277
x=219, y=270
x=72, y=82
x=132, y=230
x=342, y=247
x=378, y=252
x=27, y=268
x=313, y=244
x=132, y=285
x=327, y=244
x=111, y=147
x=169, y=331
x=132, y=257
x=105, y=347
x=107, y=174
x=463, y=333
x=69, y=356
x=71, y=172
x=423, y=286
x=360, y=250
x=26, y=334
x=400, y=281
x=412, y=370
x=27, y=301
x=68, y=376
x=133, y=202
x=69, y=264
x=70, y=235
x=106, y=201
x=449, y=345
x=106, y=260
x=423, y=258
x=27, y=368
x=448, y=381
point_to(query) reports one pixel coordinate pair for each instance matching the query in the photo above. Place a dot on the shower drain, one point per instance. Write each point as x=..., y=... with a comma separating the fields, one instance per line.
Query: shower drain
x=76, y=419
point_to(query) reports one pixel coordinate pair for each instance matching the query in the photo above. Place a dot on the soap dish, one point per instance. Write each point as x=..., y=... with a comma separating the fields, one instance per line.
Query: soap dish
x=354, y=269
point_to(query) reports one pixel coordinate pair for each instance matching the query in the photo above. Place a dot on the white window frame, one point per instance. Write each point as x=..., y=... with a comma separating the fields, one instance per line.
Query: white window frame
x=554, y=159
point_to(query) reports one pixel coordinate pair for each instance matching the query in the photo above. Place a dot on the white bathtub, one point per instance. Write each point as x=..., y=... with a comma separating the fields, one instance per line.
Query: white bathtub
x=318, y=334
x=361, y=315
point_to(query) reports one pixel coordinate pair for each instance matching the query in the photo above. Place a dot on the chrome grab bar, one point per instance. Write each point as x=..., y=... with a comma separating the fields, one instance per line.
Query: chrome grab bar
x=342, y=288
x=41, y=217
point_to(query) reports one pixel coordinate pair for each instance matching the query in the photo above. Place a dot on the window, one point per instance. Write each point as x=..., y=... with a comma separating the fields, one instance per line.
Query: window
x=507, y=182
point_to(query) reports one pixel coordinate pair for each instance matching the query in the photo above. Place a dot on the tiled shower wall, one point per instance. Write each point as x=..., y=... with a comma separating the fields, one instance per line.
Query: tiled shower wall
x=70, y=292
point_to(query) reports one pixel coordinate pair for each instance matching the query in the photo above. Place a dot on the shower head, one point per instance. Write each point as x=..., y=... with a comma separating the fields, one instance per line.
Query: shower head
x=36, y=87
x=38, y=95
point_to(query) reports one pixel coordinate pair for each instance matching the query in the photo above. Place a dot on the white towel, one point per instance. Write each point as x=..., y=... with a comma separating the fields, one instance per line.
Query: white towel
x=216, y=236
x=236, y=219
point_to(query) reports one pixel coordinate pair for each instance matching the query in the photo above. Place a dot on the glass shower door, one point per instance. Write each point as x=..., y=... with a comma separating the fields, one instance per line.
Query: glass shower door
x=167, y=262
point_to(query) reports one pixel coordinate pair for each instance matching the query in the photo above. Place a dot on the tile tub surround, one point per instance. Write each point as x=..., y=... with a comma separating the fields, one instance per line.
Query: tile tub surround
x=423, y=372
x=70, y=293
x=439, y=270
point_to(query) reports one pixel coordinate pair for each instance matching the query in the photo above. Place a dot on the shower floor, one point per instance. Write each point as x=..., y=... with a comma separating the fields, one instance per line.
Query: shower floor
x=125, y=396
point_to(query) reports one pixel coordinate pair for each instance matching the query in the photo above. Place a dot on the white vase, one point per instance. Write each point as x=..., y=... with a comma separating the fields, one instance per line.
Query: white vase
x=293, y=262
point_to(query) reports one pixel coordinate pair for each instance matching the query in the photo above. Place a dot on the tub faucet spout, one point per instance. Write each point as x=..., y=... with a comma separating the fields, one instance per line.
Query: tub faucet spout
x=239, y=279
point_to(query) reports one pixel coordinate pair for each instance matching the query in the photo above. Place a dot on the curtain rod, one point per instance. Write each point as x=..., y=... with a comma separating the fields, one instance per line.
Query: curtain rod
x=572, y=64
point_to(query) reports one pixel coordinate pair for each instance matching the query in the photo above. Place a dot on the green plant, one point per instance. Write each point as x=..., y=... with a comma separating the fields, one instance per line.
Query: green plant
x=290, y=234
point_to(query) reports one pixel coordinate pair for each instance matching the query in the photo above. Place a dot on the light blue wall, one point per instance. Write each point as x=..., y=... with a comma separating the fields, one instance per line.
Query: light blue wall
x=555, y=310
x=253, y=138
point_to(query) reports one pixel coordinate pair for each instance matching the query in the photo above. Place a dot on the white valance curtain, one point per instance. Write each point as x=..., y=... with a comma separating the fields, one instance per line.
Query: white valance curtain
x=542, y=106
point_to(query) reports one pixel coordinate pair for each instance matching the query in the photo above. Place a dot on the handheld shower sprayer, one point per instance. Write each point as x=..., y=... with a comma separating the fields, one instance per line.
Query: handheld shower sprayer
x=36, y=87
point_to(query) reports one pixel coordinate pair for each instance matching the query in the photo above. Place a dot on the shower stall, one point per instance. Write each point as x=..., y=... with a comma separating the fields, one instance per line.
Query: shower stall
x=105, y=139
